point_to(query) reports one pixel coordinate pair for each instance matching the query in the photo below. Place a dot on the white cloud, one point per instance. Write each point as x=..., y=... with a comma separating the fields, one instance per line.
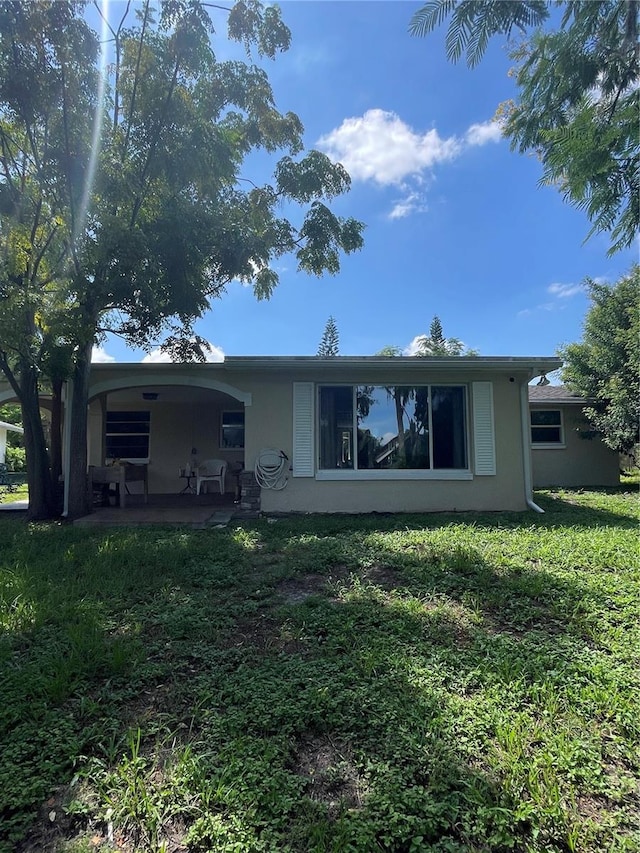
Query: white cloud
x=565, y=291
x=480, y=134
x=380, y=147
x=157, y=356
x=413, y=203
x=414, y=346
x=100, y=356
x=546, y=306
x=560, y=293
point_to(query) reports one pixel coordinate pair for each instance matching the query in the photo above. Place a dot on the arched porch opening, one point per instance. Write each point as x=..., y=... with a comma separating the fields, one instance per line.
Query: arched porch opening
x=171, y=425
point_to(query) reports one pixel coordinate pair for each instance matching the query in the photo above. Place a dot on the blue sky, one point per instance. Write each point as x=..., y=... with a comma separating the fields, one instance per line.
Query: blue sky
x=456, y=223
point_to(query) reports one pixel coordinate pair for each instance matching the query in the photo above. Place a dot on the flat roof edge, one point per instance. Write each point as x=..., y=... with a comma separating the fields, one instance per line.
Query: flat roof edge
x=541, y=363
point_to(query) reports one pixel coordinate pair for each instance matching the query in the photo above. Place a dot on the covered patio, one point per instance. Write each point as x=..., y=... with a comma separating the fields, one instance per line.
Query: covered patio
x=159, y=434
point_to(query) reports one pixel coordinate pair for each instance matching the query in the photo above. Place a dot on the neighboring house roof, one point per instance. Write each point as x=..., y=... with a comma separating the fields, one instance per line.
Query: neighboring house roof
x=4, y=425
x=554, y=394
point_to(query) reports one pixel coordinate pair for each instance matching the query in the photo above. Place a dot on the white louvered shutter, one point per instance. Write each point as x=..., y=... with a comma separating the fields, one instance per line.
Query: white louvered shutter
x=303, y=435
x=484, y=442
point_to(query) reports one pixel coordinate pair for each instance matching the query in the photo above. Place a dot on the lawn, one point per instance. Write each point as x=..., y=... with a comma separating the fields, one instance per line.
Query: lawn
x=19, y=493
x=374, y=683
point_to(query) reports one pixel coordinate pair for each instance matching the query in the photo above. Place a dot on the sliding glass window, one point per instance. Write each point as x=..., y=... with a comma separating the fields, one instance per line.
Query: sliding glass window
x=371, y=427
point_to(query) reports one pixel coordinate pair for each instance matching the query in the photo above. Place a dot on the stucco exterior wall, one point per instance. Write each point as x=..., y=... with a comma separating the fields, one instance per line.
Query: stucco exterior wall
x=269, y=423
x=267, y=396
x=579, y=462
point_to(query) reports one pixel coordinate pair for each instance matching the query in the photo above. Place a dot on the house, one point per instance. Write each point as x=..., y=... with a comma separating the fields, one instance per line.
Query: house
x=352, y=434
x=564, y=447
x=4, y=429
x=348, y=434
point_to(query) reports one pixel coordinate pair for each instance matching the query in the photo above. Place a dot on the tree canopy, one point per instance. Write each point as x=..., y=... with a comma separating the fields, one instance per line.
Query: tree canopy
x=330, y=341
x=578, y=95
x=436, y=344
x=123, y=202
x=605, y=366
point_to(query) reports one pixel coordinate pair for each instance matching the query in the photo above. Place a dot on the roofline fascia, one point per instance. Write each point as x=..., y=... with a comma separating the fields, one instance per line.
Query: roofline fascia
x=532, y=365
x=565, y=401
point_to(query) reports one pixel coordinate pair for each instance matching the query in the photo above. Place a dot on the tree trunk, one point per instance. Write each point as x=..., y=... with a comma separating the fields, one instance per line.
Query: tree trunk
x=55, y=447
x=41, y=495
x=79, y=502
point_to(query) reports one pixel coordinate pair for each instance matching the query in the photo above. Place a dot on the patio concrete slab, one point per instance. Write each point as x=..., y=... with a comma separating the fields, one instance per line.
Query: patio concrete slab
x=200, y=516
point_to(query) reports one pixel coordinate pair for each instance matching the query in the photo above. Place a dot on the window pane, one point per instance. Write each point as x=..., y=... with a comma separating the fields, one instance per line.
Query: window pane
x=545, y=417
x=546, y=435
x=336, y=427
x=127, y=446
x=393, y=427
x=127, y=435
x=232, y=430
x=449, y=427
x=128, y=422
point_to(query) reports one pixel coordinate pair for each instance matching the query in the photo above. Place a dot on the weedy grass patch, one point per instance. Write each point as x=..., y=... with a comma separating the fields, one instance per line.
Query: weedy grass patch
x=374, y=683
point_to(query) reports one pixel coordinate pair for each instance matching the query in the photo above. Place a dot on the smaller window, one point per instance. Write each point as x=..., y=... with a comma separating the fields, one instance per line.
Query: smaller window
x=232, y=432
x=127, y=435
x=546, y=426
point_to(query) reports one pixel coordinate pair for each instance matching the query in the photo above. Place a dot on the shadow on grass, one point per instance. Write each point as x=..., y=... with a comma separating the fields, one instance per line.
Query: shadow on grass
x=380, y=710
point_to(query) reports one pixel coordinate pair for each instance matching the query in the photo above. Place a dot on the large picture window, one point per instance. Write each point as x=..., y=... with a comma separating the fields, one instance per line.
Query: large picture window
x=370, y=427
x=127, y=436
x=546, y=426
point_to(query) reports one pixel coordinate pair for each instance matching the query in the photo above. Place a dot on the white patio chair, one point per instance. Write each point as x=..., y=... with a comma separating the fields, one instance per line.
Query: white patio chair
x=212, y=470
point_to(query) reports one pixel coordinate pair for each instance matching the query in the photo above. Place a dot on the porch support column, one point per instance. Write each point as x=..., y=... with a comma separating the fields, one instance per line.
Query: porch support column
x=103, y=431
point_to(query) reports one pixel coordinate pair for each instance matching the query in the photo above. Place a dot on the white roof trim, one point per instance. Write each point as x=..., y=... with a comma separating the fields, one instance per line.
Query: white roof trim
x=532, y=365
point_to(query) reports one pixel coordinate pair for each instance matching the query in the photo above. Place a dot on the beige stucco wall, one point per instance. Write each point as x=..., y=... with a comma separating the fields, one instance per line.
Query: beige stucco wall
x=580, y=462
x=269, y=423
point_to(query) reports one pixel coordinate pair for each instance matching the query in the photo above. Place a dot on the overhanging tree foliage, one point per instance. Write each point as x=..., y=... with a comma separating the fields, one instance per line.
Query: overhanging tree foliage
x=578, y=99
x=605, y=366
x=124, y=208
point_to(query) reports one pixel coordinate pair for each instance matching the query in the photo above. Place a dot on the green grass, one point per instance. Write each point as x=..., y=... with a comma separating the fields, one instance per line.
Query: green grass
x=375, y=683
x=20, y=493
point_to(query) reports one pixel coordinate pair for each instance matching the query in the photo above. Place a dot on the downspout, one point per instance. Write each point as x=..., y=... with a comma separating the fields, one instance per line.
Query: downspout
x=66, y=444
x=526, y=449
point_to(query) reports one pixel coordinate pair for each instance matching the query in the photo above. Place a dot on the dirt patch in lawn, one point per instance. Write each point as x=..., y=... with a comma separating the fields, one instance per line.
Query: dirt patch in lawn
x=330, y=774
x=381, y=576
x=298, y=589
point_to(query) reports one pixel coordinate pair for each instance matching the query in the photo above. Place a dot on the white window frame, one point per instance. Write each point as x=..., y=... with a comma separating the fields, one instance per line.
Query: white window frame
x=547, y=445
x=133, y=459
x=221, y=446
x=392, y=473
